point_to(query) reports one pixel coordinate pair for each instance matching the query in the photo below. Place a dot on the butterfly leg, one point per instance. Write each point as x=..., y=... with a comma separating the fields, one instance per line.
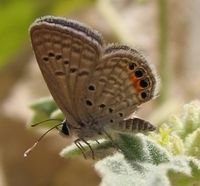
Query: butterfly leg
x=97, y=141
x=81, y=148
x=113, y=142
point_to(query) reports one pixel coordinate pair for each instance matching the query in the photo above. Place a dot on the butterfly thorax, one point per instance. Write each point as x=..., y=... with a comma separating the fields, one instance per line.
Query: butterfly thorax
x=89, y=130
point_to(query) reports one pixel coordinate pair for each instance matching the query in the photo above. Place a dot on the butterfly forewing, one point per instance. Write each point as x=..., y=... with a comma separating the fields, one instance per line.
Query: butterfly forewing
x=67, y=52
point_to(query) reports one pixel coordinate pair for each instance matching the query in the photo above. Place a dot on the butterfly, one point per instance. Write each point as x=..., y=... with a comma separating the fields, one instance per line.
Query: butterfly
x=97, y=86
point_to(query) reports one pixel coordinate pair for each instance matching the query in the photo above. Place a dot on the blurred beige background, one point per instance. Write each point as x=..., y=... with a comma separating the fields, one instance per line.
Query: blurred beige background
x=166, y=31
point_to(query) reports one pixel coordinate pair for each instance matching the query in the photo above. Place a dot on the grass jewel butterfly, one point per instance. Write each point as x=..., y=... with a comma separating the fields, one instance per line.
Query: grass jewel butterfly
x=96, y=86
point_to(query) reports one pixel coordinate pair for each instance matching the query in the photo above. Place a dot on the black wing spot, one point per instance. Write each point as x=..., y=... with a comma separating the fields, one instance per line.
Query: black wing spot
x=120, y=114
x=144, y=83
x=59, y=73
x=58, y=57
x=102, y=105
x=139, y=73
x=132, y=66
x=45, y=59
x=51, y=54
x=72, y=70
x=91, y=87
x=110, y=110
x=111, y=121
x=89, y=103
x=66, y=62
x=144, y=95
x=83, y=73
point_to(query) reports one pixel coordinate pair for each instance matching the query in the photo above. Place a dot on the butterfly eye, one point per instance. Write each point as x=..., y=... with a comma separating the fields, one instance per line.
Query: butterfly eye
x=65, y=129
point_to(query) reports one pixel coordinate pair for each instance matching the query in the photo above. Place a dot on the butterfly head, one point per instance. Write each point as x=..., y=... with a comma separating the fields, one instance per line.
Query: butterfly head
x=65, y=130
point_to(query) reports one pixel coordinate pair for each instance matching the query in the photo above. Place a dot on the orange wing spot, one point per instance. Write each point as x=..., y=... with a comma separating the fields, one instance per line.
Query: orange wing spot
x=135, y=82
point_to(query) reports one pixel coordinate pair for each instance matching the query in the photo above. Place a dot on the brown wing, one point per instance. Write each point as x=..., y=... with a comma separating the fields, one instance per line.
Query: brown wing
x=66, y=51
x=120, y=83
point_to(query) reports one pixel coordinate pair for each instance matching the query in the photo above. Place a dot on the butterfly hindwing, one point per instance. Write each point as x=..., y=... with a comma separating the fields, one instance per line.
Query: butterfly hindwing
x=122, y=82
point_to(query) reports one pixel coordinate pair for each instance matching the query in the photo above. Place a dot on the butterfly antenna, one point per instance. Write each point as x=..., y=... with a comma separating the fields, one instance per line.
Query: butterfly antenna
x=30, y=149
x=35, y=124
